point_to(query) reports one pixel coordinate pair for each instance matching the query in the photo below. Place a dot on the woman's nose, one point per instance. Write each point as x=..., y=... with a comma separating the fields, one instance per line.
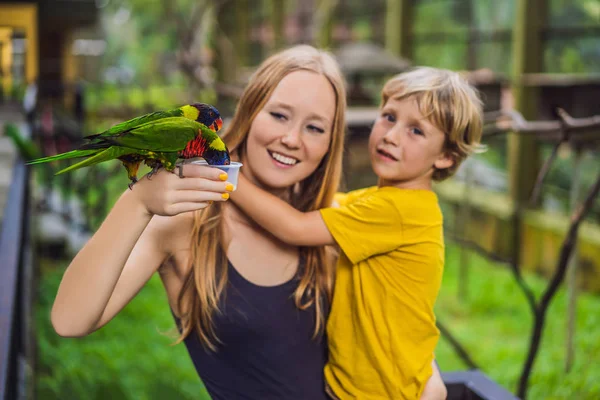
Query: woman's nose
x=292, y=138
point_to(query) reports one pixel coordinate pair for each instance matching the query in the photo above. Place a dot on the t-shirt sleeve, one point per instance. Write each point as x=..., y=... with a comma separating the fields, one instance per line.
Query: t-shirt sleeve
x=342, y=199
x=366, y=227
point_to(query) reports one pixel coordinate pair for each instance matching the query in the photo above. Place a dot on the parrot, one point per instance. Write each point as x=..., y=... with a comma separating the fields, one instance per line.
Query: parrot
x=158, y=139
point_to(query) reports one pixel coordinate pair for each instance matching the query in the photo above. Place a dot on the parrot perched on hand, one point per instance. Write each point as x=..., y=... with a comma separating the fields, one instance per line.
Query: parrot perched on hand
x=158, y=139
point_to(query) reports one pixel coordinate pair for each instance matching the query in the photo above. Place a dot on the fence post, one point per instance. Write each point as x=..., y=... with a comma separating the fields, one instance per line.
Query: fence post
x=523, y=153
x=398, y=27
x=573, y=263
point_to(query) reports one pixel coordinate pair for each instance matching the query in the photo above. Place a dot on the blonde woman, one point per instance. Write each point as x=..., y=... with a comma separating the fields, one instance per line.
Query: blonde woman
x=251, y=309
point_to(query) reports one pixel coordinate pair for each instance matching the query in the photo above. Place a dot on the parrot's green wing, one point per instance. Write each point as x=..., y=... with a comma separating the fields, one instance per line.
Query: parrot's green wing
x=165, y=135
x=141, y=120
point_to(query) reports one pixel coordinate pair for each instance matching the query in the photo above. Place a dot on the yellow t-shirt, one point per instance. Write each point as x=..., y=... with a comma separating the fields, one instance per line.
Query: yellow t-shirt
x=381, y=329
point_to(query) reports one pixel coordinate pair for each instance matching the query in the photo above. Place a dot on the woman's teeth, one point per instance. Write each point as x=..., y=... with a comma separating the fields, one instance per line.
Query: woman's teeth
x=283, y=159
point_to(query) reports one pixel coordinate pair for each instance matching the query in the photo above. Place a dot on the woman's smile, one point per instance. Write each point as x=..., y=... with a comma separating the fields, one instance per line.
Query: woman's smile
x=282, y=160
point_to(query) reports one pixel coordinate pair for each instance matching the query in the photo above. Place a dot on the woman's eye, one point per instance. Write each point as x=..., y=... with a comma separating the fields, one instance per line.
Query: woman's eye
x=314, y=128
x=417, y=131
x=277, y=115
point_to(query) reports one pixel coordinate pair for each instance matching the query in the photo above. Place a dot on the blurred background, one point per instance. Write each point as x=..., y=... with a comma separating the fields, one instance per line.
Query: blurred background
x=519, y=309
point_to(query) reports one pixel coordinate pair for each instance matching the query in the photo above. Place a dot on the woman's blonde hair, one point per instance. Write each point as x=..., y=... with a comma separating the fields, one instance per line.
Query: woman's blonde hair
x=449, y=102
x=204, y=287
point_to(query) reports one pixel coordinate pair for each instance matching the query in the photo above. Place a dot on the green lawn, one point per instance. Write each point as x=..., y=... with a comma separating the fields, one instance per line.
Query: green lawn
x=131, y=358
x=495, y=323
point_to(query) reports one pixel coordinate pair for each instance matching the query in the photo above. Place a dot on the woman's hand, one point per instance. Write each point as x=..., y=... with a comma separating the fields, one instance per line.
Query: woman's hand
x=167, y=194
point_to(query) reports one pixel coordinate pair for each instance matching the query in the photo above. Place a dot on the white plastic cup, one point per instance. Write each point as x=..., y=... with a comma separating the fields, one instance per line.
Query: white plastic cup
x=232, y=170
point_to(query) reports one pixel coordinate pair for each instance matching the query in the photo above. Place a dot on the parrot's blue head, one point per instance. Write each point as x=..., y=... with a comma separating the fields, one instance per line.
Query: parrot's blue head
x=209, y=116
x=216, y=157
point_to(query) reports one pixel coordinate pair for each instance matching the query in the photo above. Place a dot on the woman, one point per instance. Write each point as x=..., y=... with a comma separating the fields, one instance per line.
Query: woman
x=251, y=309
x=252, y=326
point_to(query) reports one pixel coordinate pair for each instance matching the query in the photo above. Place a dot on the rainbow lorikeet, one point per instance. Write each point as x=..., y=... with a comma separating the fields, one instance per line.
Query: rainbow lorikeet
x=158, y=139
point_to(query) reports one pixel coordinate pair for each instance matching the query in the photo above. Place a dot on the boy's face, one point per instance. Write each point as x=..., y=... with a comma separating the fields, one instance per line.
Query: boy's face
x=405, y=147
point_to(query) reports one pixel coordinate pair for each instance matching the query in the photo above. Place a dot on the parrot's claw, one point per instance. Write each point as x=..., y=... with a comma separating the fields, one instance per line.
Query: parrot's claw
x=180, y=170
x=133, y=182
x=154, y=171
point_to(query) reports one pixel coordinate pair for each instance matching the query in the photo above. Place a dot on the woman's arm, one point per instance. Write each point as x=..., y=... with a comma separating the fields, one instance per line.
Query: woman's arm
x=281, y=219
x=128, y=248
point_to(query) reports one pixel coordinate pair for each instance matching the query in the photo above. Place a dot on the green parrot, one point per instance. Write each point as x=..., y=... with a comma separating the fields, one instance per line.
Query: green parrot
x=27, y=149
x=158, y=139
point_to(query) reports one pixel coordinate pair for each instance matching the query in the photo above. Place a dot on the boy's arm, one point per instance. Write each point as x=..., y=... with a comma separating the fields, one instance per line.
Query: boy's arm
x=281, y=219
x=435, y=389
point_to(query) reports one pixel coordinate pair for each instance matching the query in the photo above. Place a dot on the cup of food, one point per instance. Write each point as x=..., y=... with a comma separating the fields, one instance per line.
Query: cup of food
x=232, y=170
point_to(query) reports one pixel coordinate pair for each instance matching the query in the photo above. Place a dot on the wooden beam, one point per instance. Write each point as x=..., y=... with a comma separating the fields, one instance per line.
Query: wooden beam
x=398, y=27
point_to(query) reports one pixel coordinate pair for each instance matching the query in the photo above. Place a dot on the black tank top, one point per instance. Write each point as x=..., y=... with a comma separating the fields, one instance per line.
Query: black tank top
x=267, y=349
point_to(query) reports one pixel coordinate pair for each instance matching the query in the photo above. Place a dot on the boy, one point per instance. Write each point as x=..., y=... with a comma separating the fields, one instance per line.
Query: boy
x=381, y=329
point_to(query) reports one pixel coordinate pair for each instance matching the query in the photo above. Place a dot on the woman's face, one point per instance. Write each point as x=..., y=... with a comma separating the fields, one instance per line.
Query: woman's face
x=291, y=134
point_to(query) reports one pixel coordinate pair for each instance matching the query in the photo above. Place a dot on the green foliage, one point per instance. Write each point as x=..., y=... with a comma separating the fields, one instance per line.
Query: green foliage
x=562, y=54
x=494, y=325
x=130, y=358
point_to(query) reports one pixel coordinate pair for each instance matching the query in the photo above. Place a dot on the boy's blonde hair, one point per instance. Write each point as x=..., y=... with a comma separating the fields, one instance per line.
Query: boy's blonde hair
x=449, y=102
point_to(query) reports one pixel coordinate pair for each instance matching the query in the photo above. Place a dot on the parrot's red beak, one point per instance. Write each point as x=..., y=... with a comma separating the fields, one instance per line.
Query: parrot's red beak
x=217, y=124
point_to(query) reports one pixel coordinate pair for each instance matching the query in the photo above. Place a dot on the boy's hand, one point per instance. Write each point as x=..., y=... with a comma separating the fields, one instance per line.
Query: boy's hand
x=167, y=194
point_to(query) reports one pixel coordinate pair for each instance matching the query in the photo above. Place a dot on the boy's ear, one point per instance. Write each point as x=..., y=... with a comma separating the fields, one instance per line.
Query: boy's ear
x=445, y=160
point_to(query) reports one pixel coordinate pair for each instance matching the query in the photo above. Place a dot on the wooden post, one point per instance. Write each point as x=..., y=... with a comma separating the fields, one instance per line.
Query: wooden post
x=398, y=27
x=472, y=38
x=242, y=31
x=465, y=216
x=523, y=152
x=277, y=17
x=25, y=17
x=226, y=60
x=572, y=268
x=6, y=60
x=69, y=69
x=324, y=20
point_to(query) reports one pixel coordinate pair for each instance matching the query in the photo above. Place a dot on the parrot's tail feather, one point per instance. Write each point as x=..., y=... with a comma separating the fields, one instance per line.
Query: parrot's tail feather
x=109, y=154
x=64, y=156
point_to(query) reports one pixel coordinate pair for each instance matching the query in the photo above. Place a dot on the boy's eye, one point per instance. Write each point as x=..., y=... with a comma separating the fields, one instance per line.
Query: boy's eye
x=417, y=131
x=277, y=115
x=314, y=128
x=388, y=117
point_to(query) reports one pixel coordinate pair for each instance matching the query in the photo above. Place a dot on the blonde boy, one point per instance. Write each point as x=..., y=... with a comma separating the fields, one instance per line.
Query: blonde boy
x=381, y=329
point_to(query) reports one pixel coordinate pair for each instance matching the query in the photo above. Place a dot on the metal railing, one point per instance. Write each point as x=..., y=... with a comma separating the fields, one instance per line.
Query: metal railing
x=16, y=278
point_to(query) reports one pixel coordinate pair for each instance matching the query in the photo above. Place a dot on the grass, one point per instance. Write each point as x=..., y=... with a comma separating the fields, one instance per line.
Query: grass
x=494, y=324
x=131, y=358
